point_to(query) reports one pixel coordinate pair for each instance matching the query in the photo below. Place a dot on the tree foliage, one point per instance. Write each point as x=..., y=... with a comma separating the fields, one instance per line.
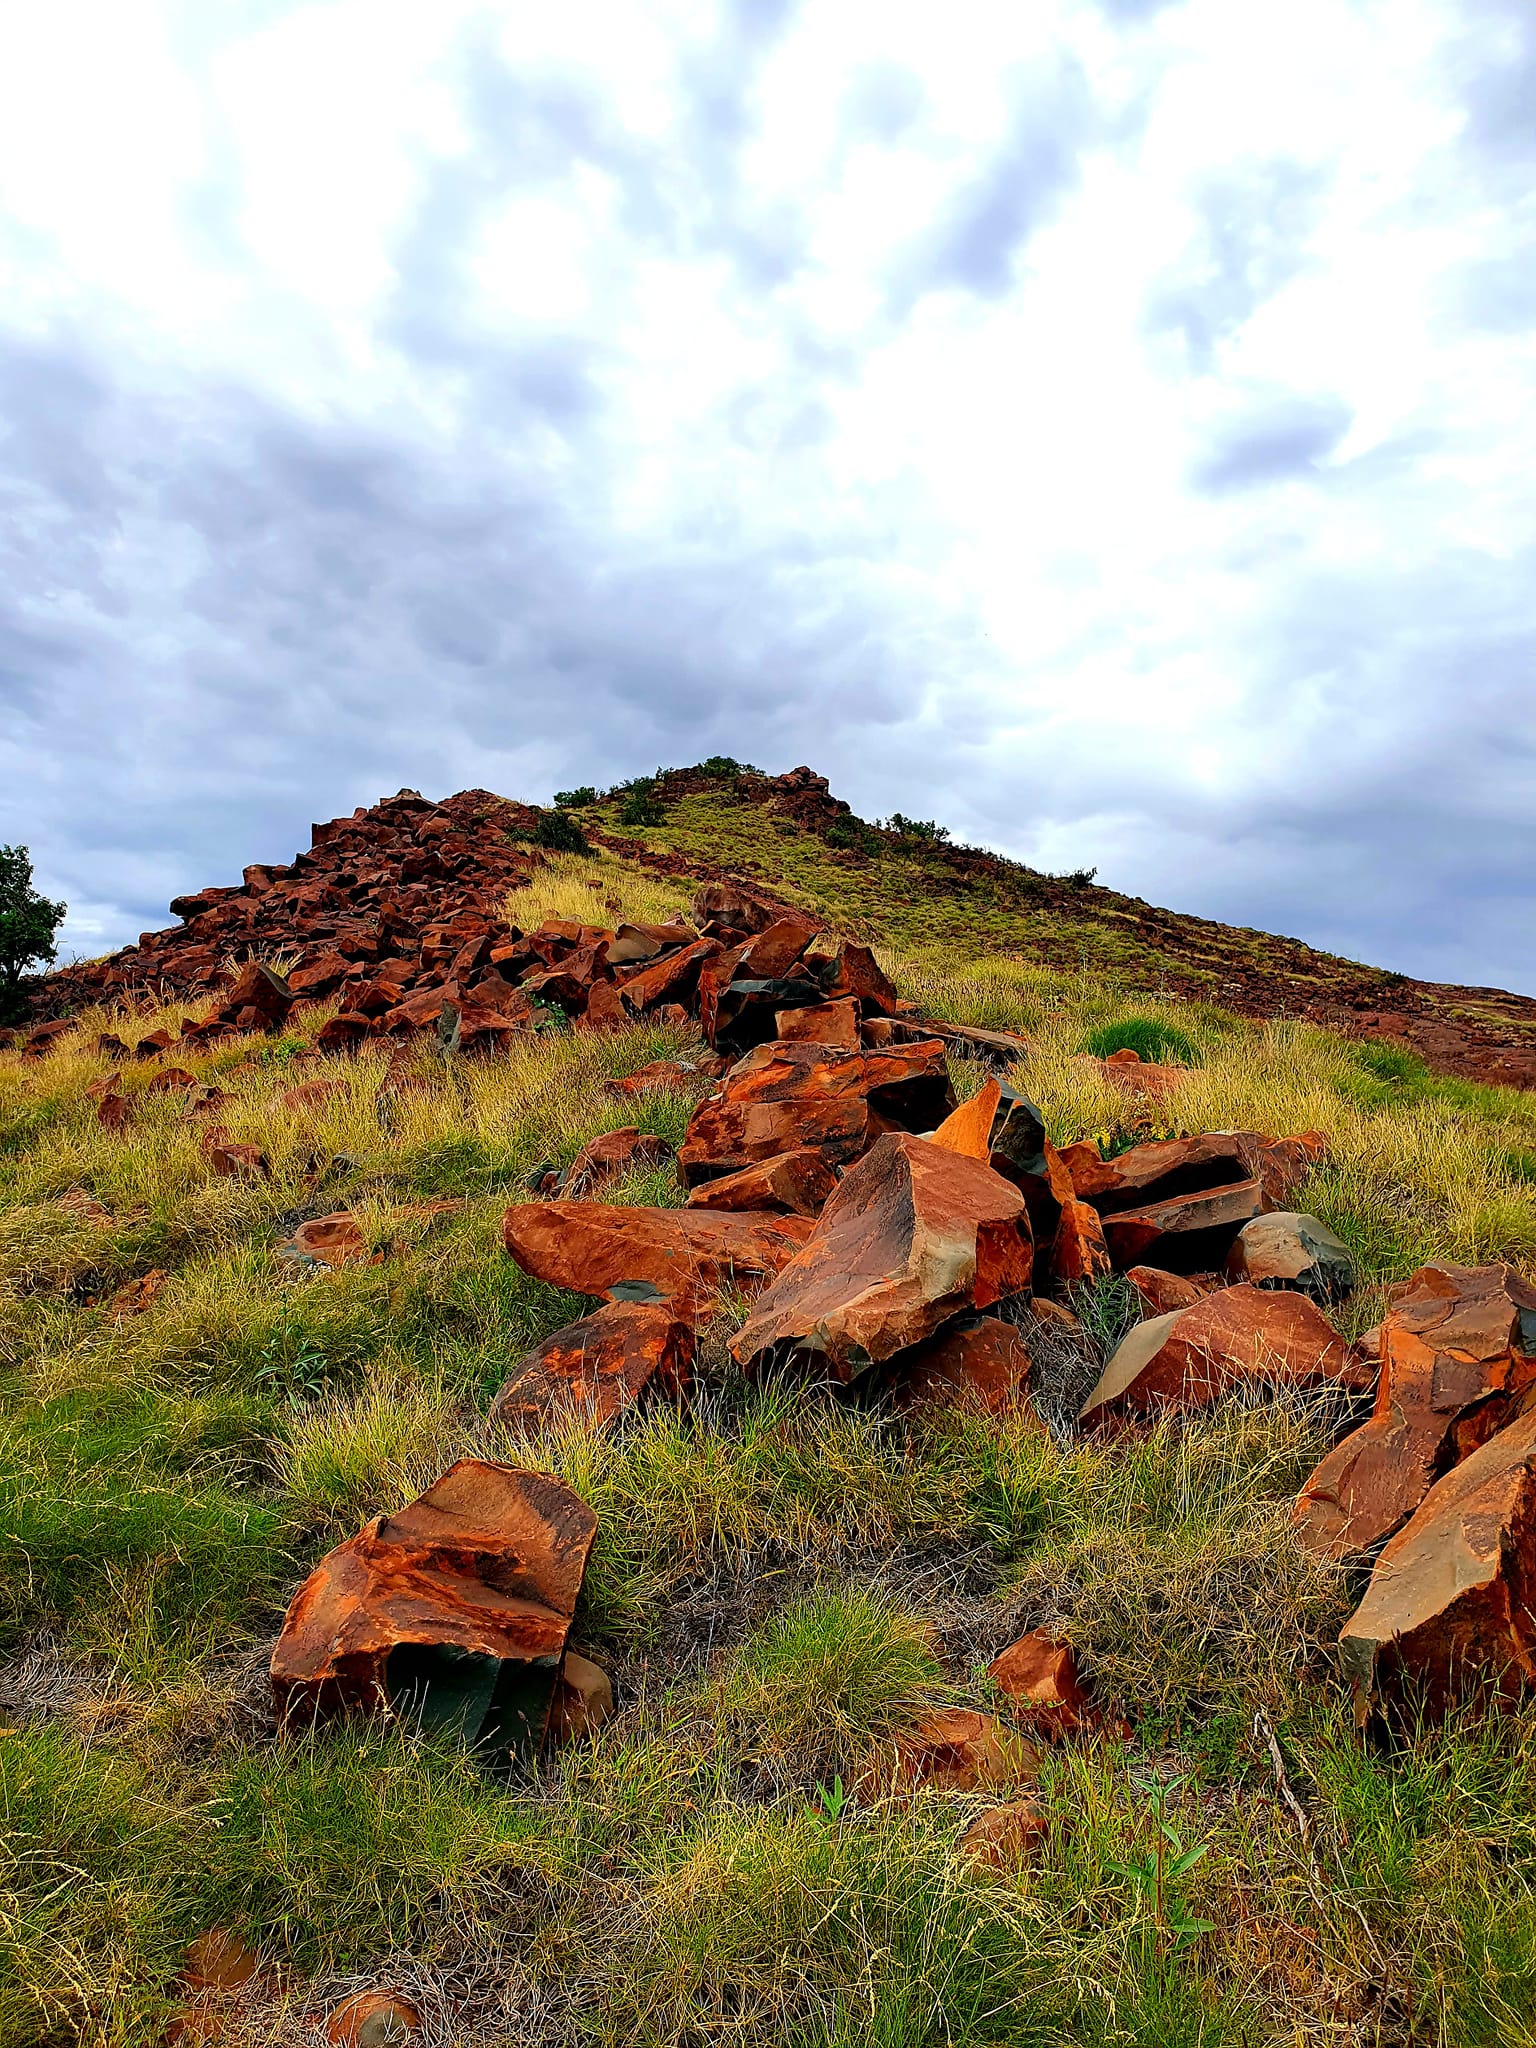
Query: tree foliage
x=27, y=925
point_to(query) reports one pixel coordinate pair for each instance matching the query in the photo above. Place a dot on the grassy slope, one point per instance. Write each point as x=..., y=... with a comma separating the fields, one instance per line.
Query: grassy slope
x=777, y=1585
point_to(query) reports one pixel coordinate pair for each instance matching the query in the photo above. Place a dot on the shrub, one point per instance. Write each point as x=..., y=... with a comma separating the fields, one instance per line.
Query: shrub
x=560, y=833
x=1151, y=1037
x=725, y=769
x=27, y=925
x=641, y=805
x=574, y=799
x=917, y=828
x=1394, y=1064
x=1074, y=878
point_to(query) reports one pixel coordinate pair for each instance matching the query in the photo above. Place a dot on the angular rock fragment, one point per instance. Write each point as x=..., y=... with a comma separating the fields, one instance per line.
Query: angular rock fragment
x=1186, y=1231
x=1284, y=1249
x=1169, y=1167
x=960, y=1750
x=261, y=993
x=968, y=1129
x=583, y=1699
x=913, y=1235
x=374, y=2019
x=659, y=1076
x=795, y=1183
x=1164, y=1293
x=609, y=1157
x=683, y=1255
x=1079, y=1253
x=333, y=1241
x=1038, y=1674
x=1453, y=1595
x=835, y=1024
x=784, y=1098
x=115, y=1112
x=977, y=1363
x=1458, y=1351
x=600, y=1365
x=235, y=1161
x=670, y=978
x=171, y=1081
x=454, y=1611
x=1005, y=1837
x=1193, y=1357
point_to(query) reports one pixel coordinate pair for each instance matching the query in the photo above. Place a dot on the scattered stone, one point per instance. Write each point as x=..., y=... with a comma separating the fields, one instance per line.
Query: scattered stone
x=609, y=1157
x=1453, y=1595
x=1079, y=1253
x=659, y=1076
x=583, y=1699
x=455, y=1610
x=669, y=979
x=234, y=1161
x=1458, y=1352
x=600, y=1366
x=115, y=1112
x=1238, y=1336
x=374, y=2019
x=1039, y=1675
x=795, y=1184
x=219, y=1960
x=333, y=1241
x=960, y=1750
x=913, y=1235
x=685, y=1255
x=1005, y=1837
x=835, y=1024
x=1163, y=1293
x=1285, y=1249
x=1132, y=1075
x=170, y=1080
x=979, y=1363
x=137, y=1295
x=968, y=1129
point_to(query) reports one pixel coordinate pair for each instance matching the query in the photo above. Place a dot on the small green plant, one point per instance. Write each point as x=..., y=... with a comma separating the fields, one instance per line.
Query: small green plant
x=1156, y=1876
x=853, y=834
x=575, y=799
x=293, y=1373
x=558, y=832
x=1394, y=1064
x=1149, y=1037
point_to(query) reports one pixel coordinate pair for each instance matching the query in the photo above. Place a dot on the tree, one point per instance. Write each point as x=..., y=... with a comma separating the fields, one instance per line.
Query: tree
x=27, y=925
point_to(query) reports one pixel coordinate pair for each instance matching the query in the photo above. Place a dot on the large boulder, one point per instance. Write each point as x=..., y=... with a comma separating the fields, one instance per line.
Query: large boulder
x=1453, y=1595
x=601, y=1365
x=1238, y=1336
x=913, y=1235
x=454, y=1610
x=978, y=1364
x=685, y=1256
x=787, y=1097
x=1285, y=1249
x=1170, y=1167
x=1458, y=1350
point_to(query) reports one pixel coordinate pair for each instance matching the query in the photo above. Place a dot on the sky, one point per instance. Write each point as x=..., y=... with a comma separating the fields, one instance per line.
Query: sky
x=1107, y=427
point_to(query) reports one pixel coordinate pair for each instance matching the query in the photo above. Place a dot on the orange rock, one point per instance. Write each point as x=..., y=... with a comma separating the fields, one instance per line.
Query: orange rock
x=138, y=1294
x=1039, y=1675
x=1082, y=1162
x=959, y=1750
x=685, y=1255
x=978, y=1363
x=789, y=1097
x=796, y=1183
x=968, y=1129
x=374, y=2019
x=343, y=1032
x=1078, y=1250
x=605, y=1009
x=235, y=1161
x=1133, y=1075
x=609, y=1157
x=1191, y=1358
x=219, y=1960
x=1005, y=1837
x=1284, y=1249
x=601, y=1365
x=835, y=1024
x=913, y=1235
x=852, y=970
x=1170, y=1166
x=1163, y=1293
x=657, y=1077
x=583, y=1699
x=455, y=1609
x=672, y=977
x=1454, y=1365
x=1453, y=1595
x=1188, y=1226
x=310, y=1095
x=169, y=1080
x=333, y=1240
x=114, y=1112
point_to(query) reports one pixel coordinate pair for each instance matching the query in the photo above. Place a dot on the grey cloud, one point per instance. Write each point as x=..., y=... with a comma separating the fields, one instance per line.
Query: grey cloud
x=1496, y=69
x=883, y=102
x=1281, y=438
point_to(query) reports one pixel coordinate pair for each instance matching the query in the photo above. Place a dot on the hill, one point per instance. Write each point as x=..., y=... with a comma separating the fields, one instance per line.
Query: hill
x=587, y=1452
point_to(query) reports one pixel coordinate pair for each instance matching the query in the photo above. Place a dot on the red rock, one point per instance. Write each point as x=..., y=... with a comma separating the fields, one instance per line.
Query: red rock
x=1183, y=1228
x=834, y=1024
x=1133, y=1075
x=39, y=1043
x=342, y=1033
x=333, y=1240
x=770, y=954
x=1078, y=1250
x=583, y=1699
x=978, y=1363
x=796, y=1184
x=137, y=1295
x=1458, y=1351
x=673, y=976
x=1169, y=1167
x=854, y=971
x=657, y=1077
x=1284, y=1249
x=151, y=1047
x=169, y=1079
x=571, y=982
x=1241, y=1335
x=203, y=1102
x=609, y=1157
x=1038, y=1674
x=114, y=1112
x=374, y=2019
x=968, y=1129
x=422, y=1011
x=257, y=988
x=959, y=1750
x=236, y=1161
x=1082, y=1161
x=682, y=1254
x=605, y=1009
x=601, y=1365
x=1005, y=1837
x=108, y=1042
x=913, y=1235
x=1453, y=1595
x=310, y=1095
x=784, y=1098
x=732, y=908
x=1164, y=1293
x=319, y=977
x=219, y=1960
x=486, y=1565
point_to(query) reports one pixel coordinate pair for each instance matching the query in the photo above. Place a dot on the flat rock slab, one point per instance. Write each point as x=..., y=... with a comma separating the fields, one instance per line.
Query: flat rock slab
x=1180, y=1227
x=914, y=1235
x=1453, y=1595
x=600, y=1366
x=798, y=1096
x=686, y=1256
x=456, y=1608
x=1192, y=1357
x=795, y=1184
x=1458, y=1350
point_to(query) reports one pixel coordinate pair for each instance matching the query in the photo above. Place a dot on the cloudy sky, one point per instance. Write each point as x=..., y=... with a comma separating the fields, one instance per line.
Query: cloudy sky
x=1106, y=426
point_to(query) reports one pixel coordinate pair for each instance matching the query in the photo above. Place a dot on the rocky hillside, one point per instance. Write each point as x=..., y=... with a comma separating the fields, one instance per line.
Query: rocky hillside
x=380, y=889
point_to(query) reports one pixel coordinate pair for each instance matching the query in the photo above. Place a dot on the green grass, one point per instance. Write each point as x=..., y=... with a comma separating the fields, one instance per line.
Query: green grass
x=782, y=1576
